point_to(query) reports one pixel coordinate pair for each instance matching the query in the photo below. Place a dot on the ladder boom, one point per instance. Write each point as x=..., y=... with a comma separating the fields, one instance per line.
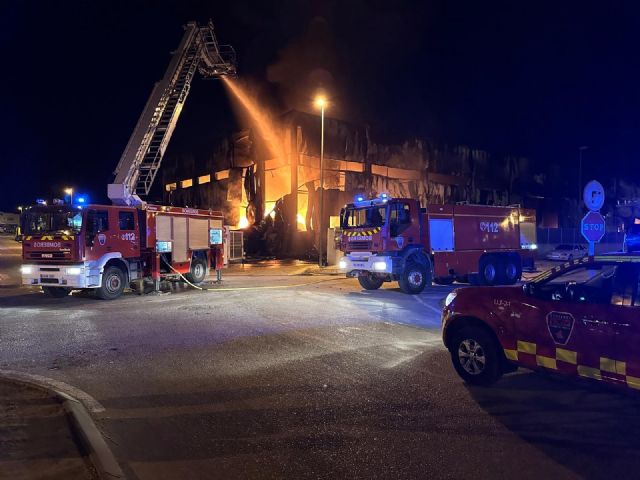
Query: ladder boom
x=142, y=157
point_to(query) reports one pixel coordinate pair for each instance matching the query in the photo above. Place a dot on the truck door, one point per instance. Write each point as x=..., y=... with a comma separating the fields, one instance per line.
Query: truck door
x=568, y=328
x=98, y=235
x=625, y=317
x=128, y=233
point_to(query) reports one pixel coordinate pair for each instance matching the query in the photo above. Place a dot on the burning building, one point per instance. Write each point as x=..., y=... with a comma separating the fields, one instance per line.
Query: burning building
x=270, y=186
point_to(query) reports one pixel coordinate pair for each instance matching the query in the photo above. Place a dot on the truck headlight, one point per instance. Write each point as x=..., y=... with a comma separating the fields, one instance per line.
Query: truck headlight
x=26, y=269
x=380, y=266
x=342, y=264
x=449, y=298
x=74, y=271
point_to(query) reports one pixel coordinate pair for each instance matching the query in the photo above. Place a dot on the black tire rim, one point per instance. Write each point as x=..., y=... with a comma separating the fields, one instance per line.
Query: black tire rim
x=113, y=283
x=511, y=271
x=415, y=278
x=198, y=270
x=471, y=356
x=489, y=272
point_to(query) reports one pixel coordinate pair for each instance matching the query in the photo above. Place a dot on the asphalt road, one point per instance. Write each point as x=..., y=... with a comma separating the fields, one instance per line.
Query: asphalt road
x=276, y=375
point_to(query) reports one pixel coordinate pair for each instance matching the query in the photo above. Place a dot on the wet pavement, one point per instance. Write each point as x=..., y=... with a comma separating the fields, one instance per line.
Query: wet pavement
x=275, y=374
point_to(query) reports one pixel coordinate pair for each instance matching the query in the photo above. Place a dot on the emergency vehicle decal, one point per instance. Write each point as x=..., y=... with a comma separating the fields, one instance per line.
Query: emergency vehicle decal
x=560, y=325
x=102, y=238
x=353, y=233
x=568, y=362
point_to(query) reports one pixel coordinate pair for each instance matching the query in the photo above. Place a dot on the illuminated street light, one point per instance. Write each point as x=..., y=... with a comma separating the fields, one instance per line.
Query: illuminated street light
x=321, y=102
x=69, y=191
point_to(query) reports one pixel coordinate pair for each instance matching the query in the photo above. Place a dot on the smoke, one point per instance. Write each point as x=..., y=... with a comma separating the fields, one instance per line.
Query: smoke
x=309, y=65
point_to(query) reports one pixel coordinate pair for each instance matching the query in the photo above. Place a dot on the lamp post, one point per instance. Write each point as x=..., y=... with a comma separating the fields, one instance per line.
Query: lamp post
x=321, y=103
x=69, y=191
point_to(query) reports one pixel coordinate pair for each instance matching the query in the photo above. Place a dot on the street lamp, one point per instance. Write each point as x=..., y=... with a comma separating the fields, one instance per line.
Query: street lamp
x=321, y=102
x=69, y=191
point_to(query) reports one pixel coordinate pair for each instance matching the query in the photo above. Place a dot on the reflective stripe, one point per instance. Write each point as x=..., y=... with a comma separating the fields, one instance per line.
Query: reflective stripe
x=589, y=372
x=567, y=356
x=613, y=366
x=511, y=354
x=633, y=382
x=527, y=347
x=546, y=362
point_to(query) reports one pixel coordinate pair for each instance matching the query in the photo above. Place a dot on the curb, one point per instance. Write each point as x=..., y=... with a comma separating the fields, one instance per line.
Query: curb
x=85, y=430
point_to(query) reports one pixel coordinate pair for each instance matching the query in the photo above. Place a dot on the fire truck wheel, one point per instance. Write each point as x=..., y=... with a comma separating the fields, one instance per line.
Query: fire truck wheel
x=113, y=283
x=512, y=270
x=56, y=292
x=489, y=270
x=198, y=271
x=475, y=356
x=413, y=279
x=369, y=282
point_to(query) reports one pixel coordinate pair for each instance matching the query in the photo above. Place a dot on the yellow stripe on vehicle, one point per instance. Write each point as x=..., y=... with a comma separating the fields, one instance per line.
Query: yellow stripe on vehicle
x=589, y=372
x=633, y=382
x=546, y=362
x=511, y=354
x=566, y=356
x=526, y=347
x=613, y=366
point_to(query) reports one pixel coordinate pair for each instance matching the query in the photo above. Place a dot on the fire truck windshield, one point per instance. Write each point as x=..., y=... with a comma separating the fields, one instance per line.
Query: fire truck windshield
x=374, y=216
x=54, y=221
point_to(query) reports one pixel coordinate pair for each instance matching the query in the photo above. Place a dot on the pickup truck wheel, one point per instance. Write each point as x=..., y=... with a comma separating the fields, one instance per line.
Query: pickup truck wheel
x=113, y=283
x=475, y=356
x=369, y=282
x=414, y=278
x=198, y=271
x=56, y=292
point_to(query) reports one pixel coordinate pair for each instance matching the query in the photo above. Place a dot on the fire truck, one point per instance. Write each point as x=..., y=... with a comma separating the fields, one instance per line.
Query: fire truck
x=105, y=247
x=395, y=239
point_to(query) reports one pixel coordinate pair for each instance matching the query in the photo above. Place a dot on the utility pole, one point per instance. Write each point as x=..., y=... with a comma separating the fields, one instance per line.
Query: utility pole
x=321, y=103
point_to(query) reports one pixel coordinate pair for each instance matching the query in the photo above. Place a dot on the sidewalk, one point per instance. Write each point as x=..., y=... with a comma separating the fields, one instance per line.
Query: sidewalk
x=36, y=437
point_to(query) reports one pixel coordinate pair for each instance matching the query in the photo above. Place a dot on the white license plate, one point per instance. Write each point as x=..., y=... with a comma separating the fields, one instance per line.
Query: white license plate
x=47, y=275
x=358, y=265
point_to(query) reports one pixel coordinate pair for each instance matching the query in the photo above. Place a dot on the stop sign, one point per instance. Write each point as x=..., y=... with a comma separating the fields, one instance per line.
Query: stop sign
x=592, y=227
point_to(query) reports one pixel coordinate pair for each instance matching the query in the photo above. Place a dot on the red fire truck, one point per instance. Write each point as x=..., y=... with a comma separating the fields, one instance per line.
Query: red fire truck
x=387, y=239
x=105, y=247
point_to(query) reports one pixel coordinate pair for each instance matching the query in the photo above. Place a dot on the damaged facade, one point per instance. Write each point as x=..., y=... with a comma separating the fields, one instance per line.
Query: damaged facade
x=276, y=197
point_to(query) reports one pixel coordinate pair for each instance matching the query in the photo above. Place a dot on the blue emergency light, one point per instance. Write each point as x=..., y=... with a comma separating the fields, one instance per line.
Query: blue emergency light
x=80, y=199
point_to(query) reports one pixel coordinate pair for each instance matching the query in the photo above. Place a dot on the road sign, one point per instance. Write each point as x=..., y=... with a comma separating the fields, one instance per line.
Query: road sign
x=592, y=227
x=593, y=195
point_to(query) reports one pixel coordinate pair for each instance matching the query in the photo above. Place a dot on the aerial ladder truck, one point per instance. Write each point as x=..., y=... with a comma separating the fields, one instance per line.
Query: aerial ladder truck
x=106, y=247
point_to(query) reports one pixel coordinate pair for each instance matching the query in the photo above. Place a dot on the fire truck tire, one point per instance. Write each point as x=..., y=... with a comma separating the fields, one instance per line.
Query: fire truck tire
x=475, y=356
x=198, y=271
x=56, y=292
x=369, y=282
x=489, y=271
x=113, y=283
x=511, y=269
x=414, y=278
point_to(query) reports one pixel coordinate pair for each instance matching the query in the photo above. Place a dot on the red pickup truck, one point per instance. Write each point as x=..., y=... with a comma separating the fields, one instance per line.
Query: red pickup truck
x=581, y=318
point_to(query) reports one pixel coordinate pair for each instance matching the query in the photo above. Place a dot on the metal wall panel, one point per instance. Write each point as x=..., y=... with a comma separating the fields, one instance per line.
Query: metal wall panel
x=198, y=233
x=163, y=228
x=180, y=239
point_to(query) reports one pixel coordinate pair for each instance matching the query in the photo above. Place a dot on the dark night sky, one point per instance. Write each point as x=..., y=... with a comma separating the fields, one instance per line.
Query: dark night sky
x=532, y=78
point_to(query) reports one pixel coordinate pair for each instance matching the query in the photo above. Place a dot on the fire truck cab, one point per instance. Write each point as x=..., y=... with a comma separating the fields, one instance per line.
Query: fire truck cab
x=387, y=239
x=105, y=247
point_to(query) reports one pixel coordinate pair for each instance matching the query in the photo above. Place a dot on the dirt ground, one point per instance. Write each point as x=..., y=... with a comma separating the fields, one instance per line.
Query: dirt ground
x=35, y=437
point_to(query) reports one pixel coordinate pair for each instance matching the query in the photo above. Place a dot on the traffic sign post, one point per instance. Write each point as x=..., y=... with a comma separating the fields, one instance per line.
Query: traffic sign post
x=592, y=225
x=592, y=229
